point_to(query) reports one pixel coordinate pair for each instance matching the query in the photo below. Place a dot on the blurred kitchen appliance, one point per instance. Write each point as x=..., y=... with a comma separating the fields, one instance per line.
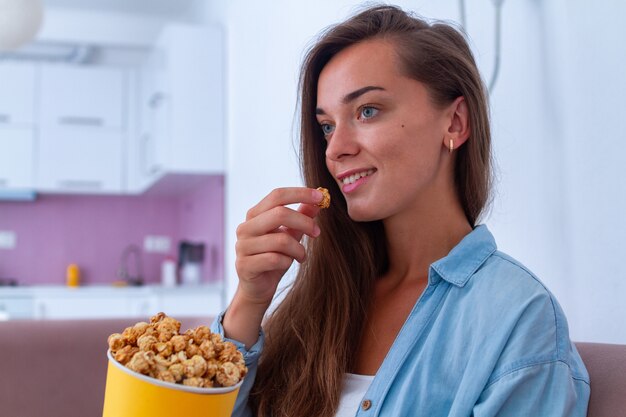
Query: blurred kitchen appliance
x=8, y=282
x=123, y=272
x=190, y=259
x=168, y=272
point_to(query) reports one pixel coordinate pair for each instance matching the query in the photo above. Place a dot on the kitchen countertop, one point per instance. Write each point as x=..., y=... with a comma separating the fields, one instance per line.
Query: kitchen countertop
x=107, y=301
x=105, y=290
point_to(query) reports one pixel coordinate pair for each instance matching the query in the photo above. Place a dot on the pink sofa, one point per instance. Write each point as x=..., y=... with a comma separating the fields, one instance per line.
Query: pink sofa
x=606, y=365
x=58, y=368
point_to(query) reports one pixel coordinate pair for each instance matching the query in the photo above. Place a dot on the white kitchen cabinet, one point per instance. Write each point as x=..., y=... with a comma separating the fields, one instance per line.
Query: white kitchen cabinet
x=80, y=160
x=51, y=302
x=17, y=93
x=17, y=132
x=74, y=96
x=181, y=128
x=18, y=307
x=190, y=304
x=148, y=163
x=16, y=157
x=95, y=306
x=82, y=129
x=143, y=306
x=85, y=307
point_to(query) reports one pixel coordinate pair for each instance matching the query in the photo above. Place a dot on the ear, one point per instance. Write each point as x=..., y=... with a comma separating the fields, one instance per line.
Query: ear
x=458, y=123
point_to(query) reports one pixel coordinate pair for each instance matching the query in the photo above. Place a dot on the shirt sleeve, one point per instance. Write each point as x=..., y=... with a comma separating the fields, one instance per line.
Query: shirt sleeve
x=251, y=357
x=545, y=389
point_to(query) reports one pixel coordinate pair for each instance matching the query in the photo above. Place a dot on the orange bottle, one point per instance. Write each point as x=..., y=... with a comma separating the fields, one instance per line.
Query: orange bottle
x=73, y=275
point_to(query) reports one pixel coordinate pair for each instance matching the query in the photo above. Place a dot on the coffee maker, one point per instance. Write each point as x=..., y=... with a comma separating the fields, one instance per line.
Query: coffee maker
x=190, y=259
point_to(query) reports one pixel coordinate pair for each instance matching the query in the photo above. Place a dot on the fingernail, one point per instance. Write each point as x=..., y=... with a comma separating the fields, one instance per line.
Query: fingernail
x=317, y=195
x=316, y=231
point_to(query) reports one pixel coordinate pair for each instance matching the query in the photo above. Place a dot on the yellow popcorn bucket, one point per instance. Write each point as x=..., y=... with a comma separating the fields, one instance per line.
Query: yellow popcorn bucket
x=129, y=394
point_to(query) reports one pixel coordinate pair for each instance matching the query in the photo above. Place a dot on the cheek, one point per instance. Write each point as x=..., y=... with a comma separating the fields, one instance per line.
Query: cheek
x=401, y=143
x=411, y=152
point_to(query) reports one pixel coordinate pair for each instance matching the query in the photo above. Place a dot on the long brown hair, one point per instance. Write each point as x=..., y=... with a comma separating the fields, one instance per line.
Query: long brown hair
x=313, y=335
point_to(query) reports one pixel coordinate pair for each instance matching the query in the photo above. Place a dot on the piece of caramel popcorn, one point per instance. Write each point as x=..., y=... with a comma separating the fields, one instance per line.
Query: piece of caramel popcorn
x=212, y=365
x=125, y=354
x=166, y=376
x=142, y=362
x=196, y=366
x=177, y=371
x=158, y=317
x=200, y=334
x=116, y=342
x=178, y=343
x=146, y=343
x=163, y=349
x=229, y=353
x=207, y=349
x=140, y=328
x=194, y=382
x=192, y=350
x=228, y=374
x=325, y=203
x=196, y=358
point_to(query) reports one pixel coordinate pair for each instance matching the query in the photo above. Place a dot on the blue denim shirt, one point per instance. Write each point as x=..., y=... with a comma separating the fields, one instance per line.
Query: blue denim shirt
x=486, y=338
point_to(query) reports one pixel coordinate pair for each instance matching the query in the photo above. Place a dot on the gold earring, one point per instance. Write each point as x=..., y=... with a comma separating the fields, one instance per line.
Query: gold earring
x=451, y=148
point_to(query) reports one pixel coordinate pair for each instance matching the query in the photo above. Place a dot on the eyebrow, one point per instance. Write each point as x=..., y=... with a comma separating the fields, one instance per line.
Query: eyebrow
x=353, y=96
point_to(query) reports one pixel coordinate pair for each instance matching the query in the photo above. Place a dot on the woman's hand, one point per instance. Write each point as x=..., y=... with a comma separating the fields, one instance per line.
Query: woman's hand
x=267, y=244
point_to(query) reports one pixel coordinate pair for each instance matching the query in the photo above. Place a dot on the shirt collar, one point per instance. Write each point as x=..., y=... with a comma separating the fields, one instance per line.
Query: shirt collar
x=465, y=258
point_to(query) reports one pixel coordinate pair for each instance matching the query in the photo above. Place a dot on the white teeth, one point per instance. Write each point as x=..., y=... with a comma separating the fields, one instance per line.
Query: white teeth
x=352, y=178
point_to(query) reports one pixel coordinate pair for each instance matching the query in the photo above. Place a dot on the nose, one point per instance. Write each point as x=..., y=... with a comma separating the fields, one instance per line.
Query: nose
x=343, y=143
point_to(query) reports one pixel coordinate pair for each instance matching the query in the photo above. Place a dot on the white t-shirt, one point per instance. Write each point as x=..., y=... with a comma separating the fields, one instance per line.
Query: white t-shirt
x=354, y=388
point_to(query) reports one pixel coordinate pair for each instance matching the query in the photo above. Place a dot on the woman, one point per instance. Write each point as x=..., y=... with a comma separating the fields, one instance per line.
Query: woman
x=402, y=304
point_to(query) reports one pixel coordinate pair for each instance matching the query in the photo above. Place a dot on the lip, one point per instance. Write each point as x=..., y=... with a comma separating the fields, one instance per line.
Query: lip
x=349, y=188
x=344, y=174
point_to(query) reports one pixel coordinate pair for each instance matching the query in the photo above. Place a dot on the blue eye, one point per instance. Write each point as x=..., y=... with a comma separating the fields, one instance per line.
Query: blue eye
x=327, y=129
x=367, y=112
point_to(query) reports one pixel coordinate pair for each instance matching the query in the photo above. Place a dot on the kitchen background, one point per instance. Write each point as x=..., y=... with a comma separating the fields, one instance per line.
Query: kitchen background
x=556, y=111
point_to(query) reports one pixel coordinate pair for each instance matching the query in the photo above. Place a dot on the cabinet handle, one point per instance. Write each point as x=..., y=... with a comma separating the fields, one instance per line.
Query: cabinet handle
x=156, y=99
x=41, y=311
x=81, y=185
x=5, y=118
x=154, y=169
x=81, y=121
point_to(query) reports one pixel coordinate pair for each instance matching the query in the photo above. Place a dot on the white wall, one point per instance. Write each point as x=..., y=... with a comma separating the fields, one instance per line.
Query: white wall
x=593, y=78
x=556, y=131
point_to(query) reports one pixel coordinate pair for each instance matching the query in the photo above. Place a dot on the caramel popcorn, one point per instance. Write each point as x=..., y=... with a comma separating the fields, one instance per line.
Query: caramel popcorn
x=228, y=374
x=124, y=354
x=325, y=203
x=194, y=382
x=196, y=358
x=116, y=342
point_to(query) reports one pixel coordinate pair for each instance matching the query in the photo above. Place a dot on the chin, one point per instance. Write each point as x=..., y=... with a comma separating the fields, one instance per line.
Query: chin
x=360, y=215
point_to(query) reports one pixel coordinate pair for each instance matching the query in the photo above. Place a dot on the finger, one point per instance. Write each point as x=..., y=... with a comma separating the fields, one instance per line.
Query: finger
x=281, y=243
x=308, y=210
x=278, y=217
x=253, y=266
x=283, y=197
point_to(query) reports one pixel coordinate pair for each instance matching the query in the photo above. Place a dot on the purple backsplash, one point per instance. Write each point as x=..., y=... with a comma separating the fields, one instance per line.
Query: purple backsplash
x=92, y=231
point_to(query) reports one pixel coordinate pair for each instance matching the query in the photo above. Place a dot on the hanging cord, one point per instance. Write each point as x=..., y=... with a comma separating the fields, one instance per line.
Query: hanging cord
x=496, y=64
x=498, y=36
x=462, y=13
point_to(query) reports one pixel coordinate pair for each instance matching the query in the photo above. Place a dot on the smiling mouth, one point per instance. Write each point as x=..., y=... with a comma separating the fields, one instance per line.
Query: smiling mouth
x=351, y=179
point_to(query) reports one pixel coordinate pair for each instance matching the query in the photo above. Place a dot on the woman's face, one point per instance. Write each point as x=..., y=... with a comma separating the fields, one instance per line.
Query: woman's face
x=386, y=144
